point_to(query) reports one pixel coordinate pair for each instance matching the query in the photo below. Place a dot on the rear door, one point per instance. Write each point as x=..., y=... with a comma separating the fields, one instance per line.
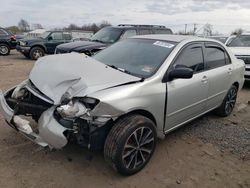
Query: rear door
x=219, y=72
x=186, y=98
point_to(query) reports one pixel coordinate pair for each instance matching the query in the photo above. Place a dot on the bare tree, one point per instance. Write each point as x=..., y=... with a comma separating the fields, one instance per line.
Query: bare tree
x=238, y=31
x=36, y=26
x=23, y=25
x=207, y=30
x=104, y=23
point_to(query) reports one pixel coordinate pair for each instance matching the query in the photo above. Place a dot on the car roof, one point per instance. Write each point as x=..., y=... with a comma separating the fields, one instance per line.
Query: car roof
x=128, y=26
x=174, y=38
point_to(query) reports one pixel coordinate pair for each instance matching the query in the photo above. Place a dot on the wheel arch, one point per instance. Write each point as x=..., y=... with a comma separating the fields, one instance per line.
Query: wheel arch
x=40, y=46
x=236, y=84
x=145, y=113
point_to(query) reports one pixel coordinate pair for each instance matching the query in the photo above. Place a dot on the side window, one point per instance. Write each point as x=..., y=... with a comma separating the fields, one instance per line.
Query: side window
x=57, y=36
x=145, y=31
x=215, y=57
x=162, y=31
x=67, y=36
x=128, y=33
x=192, y=57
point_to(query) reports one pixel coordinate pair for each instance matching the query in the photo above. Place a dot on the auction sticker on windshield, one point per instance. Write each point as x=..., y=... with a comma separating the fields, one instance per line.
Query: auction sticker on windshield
x=163, y=44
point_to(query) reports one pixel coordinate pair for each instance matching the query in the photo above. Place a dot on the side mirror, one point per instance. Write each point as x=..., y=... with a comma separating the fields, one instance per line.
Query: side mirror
x=181, y=71
x=50, y=38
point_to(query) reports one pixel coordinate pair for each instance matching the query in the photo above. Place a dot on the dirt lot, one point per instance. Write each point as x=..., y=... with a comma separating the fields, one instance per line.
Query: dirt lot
x=209, y=152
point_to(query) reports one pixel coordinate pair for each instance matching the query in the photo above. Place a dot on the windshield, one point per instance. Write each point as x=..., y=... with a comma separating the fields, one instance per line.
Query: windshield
x=139, y=57
x=240, y=41
x=44, y=35
x=107, y=35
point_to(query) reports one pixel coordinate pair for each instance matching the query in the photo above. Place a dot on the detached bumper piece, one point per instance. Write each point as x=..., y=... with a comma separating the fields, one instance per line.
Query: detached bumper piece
x=49, y=132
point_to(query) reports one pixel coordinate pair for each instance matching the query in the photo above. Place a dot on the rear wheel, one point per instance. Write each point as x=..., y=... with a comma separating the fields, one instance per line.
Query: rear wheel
x=130, y=144
x=228, y=103
x=36, y=52
x=4, y=49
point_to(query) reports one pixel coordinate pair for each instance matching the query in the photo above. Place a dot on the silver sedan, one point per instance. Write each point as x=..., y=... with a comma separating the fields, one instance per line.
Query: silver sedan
x=124, y=97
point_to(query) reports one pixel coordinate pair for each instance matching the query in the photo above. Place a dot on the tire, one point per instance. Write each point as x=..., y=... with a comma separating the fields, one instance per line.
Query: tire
x=4, y=49
x=122, y=151
x=36, y=52
x=228, y=103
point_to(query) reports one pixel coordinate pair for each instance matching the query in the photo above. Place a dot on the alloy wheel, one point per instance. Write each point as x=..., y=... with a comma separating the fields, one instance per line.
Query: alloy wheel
x=231, y=100
x=138, y=148
x=37, y=54
x=3, y=50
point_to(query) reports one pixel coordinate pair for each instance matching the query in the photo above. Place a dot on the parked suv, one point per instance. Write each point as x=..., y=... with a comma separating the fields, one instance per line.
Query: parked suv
x=46, y=43
x=7, y=41
x=125, y=96
x=240, y=46
x=110, y=35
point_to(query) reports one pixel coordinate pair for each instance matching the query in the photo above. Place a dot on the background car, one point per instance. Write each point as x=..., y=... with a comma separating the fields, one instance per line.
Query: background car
x=46, y=43
x=110, y=35
x=7, y=41
x=240, y=46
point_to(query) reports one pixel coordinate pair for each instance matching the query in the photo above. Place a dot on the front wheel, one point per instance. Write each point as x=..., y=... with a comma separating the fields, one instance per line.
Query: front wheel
x=228, y=103
x=130, y=144
x=36, y=52
x=4, y=49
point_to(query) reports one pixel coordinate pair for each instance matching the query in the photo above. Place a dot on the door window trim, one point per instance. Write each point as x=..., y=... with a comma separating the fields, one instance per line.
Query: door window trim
x=199, y=44
x=220, y=47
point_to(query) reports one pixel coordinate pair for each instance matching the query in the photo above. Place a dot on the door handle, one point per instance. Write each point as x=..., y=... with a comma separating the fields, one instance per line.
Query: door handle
x=204, y=79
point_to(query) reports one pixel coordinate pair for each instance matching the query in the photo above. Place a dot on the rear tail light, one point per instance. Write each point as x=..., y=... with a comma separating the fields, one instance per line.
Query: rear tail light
x=13, y=37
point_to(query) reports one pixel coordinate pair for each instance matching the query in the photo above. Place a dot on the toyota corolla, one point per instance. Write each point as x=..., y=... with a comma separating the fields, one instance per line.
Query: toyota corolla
x=124, y=97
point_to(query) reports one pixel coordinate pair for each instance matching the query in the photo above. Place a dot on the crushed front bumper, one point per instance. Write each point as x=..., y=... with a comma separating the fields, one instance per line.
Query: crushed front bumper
x=50, y=131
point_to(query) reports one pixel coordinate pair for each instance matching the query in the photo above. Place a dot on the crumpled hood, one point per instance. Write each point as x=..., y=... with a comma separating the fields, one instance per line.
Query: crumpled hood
x=81, y=45
x=76, y=74
x=240, y=50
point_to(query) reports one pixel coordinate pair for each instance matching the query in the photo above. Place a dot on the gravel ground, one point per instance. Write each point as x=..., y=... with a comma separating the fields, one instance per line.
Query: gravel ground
x=208, y=152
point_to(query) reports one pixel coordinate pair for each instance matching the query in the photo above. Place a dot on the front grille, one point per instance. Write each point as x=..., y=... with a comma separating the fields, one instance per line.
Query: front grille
x=246, y=59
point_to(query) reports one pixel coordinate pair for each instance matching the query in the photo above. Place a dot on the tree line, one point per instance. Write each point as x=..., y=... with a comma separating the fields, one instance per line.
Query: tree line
x=25, y=26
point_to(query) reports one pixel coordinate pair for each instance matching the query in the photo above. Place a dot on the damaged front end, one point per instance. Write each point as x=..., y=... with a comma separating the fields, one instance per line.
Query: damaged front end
x=35, y=116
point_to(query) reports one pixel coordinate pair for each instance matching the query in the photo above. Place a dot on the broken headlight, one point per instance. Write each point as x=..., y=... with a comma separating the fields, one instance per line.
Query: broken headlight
x=72, y=109
x=76, y=107
x=20, y=91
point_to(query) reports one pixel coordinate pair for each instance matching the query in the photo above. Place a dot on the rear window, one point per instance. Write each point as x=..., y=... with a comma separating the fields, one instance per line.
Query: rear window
x=145, y=31
x=215, y=57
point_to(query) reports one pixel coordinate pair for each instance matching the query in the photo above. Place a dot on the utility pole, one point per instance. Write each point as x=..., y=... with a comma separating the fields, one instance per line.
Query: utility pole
x=185, y=29
x=195, y=28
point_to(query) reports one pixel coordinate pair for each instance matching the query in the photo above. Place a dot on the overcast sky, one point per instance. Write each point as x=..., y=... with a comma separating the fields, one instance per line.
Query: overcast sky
x=224, y=15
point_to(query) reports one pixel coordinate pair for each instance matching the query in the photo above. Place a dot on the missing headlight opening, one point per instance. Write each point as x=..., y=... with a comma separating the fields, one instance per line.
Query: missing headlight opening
x=78, y=125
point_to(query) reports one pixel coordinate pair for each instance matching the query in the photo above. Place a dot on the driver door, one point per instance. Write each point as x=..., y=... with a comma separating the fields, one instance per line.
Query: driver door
x=186, y=98
x=53, y=40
